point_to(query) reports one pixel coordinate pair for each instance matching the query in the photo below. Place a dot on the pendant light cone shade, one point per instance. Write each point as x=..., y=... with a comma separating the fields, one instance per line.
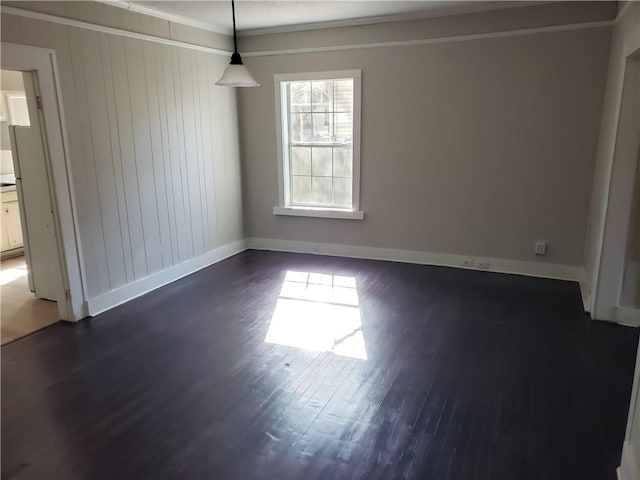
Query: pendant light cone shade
x=236, y=74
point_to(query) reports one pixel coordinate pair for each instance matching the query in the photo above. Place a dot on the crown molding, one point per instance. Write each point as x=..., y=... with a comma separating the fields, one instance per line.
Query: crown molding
x=456, y=38
x=427, y=41
x=623, y=11
x=110, y=30
x=478, y=7
x=170, y=17
x=438, y=12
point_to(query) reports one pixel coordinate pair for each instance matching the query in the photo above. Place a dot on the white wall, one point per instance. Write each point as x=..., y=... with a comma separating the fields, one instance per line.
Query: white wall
x=472, y=147
x=152, y=143
x=602, y=287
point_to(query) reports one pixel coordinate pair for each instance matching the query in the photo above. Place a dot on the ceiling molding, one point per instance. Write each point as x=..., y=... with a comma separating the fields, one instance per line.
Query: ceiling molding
x=427, y=41
x=623, y=11
x=170, y=17
x=110, y=30
x=456, y=38
x=438, y=12
x=480, y=6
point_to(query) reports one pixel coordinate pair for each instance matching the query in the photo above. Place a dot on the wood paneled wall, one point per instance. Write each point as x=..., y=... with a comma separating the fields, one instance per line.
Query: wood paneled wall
x=153, y=146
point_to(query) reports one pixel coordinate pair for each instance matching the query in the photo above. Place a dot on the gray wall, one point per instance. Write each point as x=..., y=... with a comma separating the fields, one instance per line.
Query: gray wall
x=474, y=147
x=153, y=144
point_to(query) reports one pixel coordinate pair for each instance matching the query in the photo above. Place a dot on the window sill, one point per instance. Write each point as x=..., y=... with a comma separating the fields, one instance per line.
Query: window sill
x=319, y=213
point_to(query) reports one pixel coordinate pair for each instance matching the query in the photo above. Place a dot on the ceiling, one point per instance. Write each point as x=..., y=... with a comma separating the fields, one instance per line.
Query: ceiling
x=253, y=15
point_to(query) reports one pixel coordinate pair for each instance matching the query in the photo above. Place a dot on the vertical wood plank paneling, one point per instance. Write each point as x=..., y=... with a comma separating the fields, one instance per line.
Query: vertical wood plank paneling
x=128, y=155
x=92, y=235
x=199, y=141
x=206, y=88
x=116, y=160
x=45, y=36
x=10, y=27
x=169, y=214
x=157, y=153
x=148, y=135
x=183, y=189
x=30, y=36
x=60, y=42
x=143, y=158
x=192, y=181
x=103, y=157
x=174, y=171
x=215, y=105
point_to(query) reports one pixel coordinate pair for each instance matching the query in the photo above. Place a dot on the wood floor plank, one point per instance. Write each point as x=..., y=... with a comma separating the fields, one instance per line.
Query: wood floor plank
x=453, y=374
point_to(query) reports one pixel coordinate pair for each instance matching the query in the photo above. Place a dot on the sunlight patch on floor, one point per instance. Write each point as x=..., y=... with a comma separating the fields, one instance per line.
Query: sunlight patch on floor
x=10, y=274
x=318, y=312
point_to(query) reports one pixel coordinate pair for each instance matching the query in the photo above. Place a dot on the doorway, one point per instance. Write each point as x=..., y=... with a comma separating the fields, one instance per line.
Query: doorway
x=30, y=273
x=45, y=104
x=616, y=286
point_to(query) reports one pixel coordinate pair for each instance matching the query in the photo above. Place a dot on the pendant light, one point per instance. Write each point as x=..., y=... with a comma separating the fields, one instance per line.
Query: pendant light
x=236, y=74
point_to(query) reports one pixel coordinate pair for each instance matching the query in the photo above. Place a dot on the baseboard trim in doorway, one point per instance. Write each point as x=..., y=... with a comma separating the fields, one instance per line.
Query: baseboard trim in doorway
x=15, y=252
x=629, y=468
x=118, y=296
x=628, y=316
x=586, y=296
x=498, y=265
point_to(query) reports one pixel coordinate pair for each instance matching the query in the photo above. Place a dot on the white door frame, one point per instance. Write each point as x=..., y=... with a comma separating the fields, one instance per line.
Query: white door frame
x=621, y=188
x=43, y=60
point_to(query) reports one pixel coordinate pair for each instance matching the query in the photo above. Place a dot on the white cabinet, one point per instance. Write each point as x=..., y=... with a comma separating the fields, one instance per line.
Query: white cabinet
x=4, y=233
x=11, y=228
x=14, y=229
x=17, y=108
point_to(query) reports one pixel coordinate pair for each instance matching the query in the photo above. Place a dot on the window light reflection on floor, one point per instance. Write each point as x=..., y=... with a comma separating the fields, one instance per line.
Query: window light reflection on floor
x=10, y=274
x=318, y=312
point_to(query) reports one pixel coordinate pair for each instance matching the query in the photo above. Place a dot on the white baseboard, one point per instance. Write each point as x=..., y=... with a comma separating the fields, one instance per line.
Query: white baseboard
x=500, y=265
x=629, y=468
x=120, y=295
x=629, y=316
x=132, y=290
x=586, y=296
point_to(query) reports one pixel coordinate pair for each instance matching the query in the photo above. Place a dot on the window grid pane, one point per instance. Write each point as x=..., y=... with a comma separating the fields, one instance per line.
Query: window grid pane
x=320, y=142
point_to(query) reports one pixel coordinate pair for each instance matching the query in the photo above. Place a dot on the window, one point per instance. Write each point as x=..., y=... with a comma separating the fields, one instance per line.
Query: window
x=318, y=121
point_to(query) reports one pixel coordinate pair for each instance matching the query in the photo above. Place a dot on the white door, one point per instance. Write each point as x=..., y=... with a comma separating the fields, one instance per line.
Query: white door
x=34, y=197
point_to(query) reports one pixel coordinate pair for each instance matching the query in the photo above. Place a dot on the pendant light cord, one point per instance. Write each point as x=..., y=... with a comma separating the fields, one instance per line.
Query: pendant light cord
x=233, y=14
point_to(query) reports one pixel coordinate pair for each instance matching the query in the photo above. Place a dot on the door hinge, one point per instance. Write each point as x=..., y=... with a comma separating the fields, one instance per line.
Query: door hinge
x=39, y=102
x=67, y=294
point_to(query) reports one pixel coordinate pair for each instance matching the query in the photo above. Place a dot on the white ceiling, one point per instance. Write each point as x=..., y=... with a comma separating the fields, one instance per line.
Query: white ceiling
x=251, y=15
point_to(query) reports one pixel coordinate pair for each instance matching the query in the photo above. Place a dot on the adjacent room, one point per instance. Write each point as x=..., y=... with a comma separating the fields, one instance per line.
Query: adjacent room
x=27, y=303
x=321, y=239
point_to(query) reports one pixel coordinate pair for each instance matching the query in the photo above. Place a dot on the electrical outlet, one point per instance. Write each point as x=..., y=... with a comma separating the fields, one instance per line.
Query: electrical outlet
x=540, y=248
x=483, y=264
x=467, y=262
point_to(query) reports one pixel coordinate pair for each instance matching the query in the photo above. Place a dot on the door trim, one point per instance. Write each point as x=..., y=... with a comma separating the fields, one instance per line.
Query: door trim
x=43, y=60
x=622, y=178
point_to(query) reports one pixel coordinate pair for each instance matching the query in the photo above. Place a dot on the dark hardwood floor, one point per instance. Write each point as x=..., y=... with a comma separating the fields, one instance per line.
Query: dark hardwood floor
x=468, y=375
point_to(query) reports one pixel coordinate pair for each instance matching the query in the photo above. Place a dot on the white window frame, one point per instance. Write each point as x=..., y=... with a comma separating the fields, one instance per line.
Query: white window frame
x=285, y=207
